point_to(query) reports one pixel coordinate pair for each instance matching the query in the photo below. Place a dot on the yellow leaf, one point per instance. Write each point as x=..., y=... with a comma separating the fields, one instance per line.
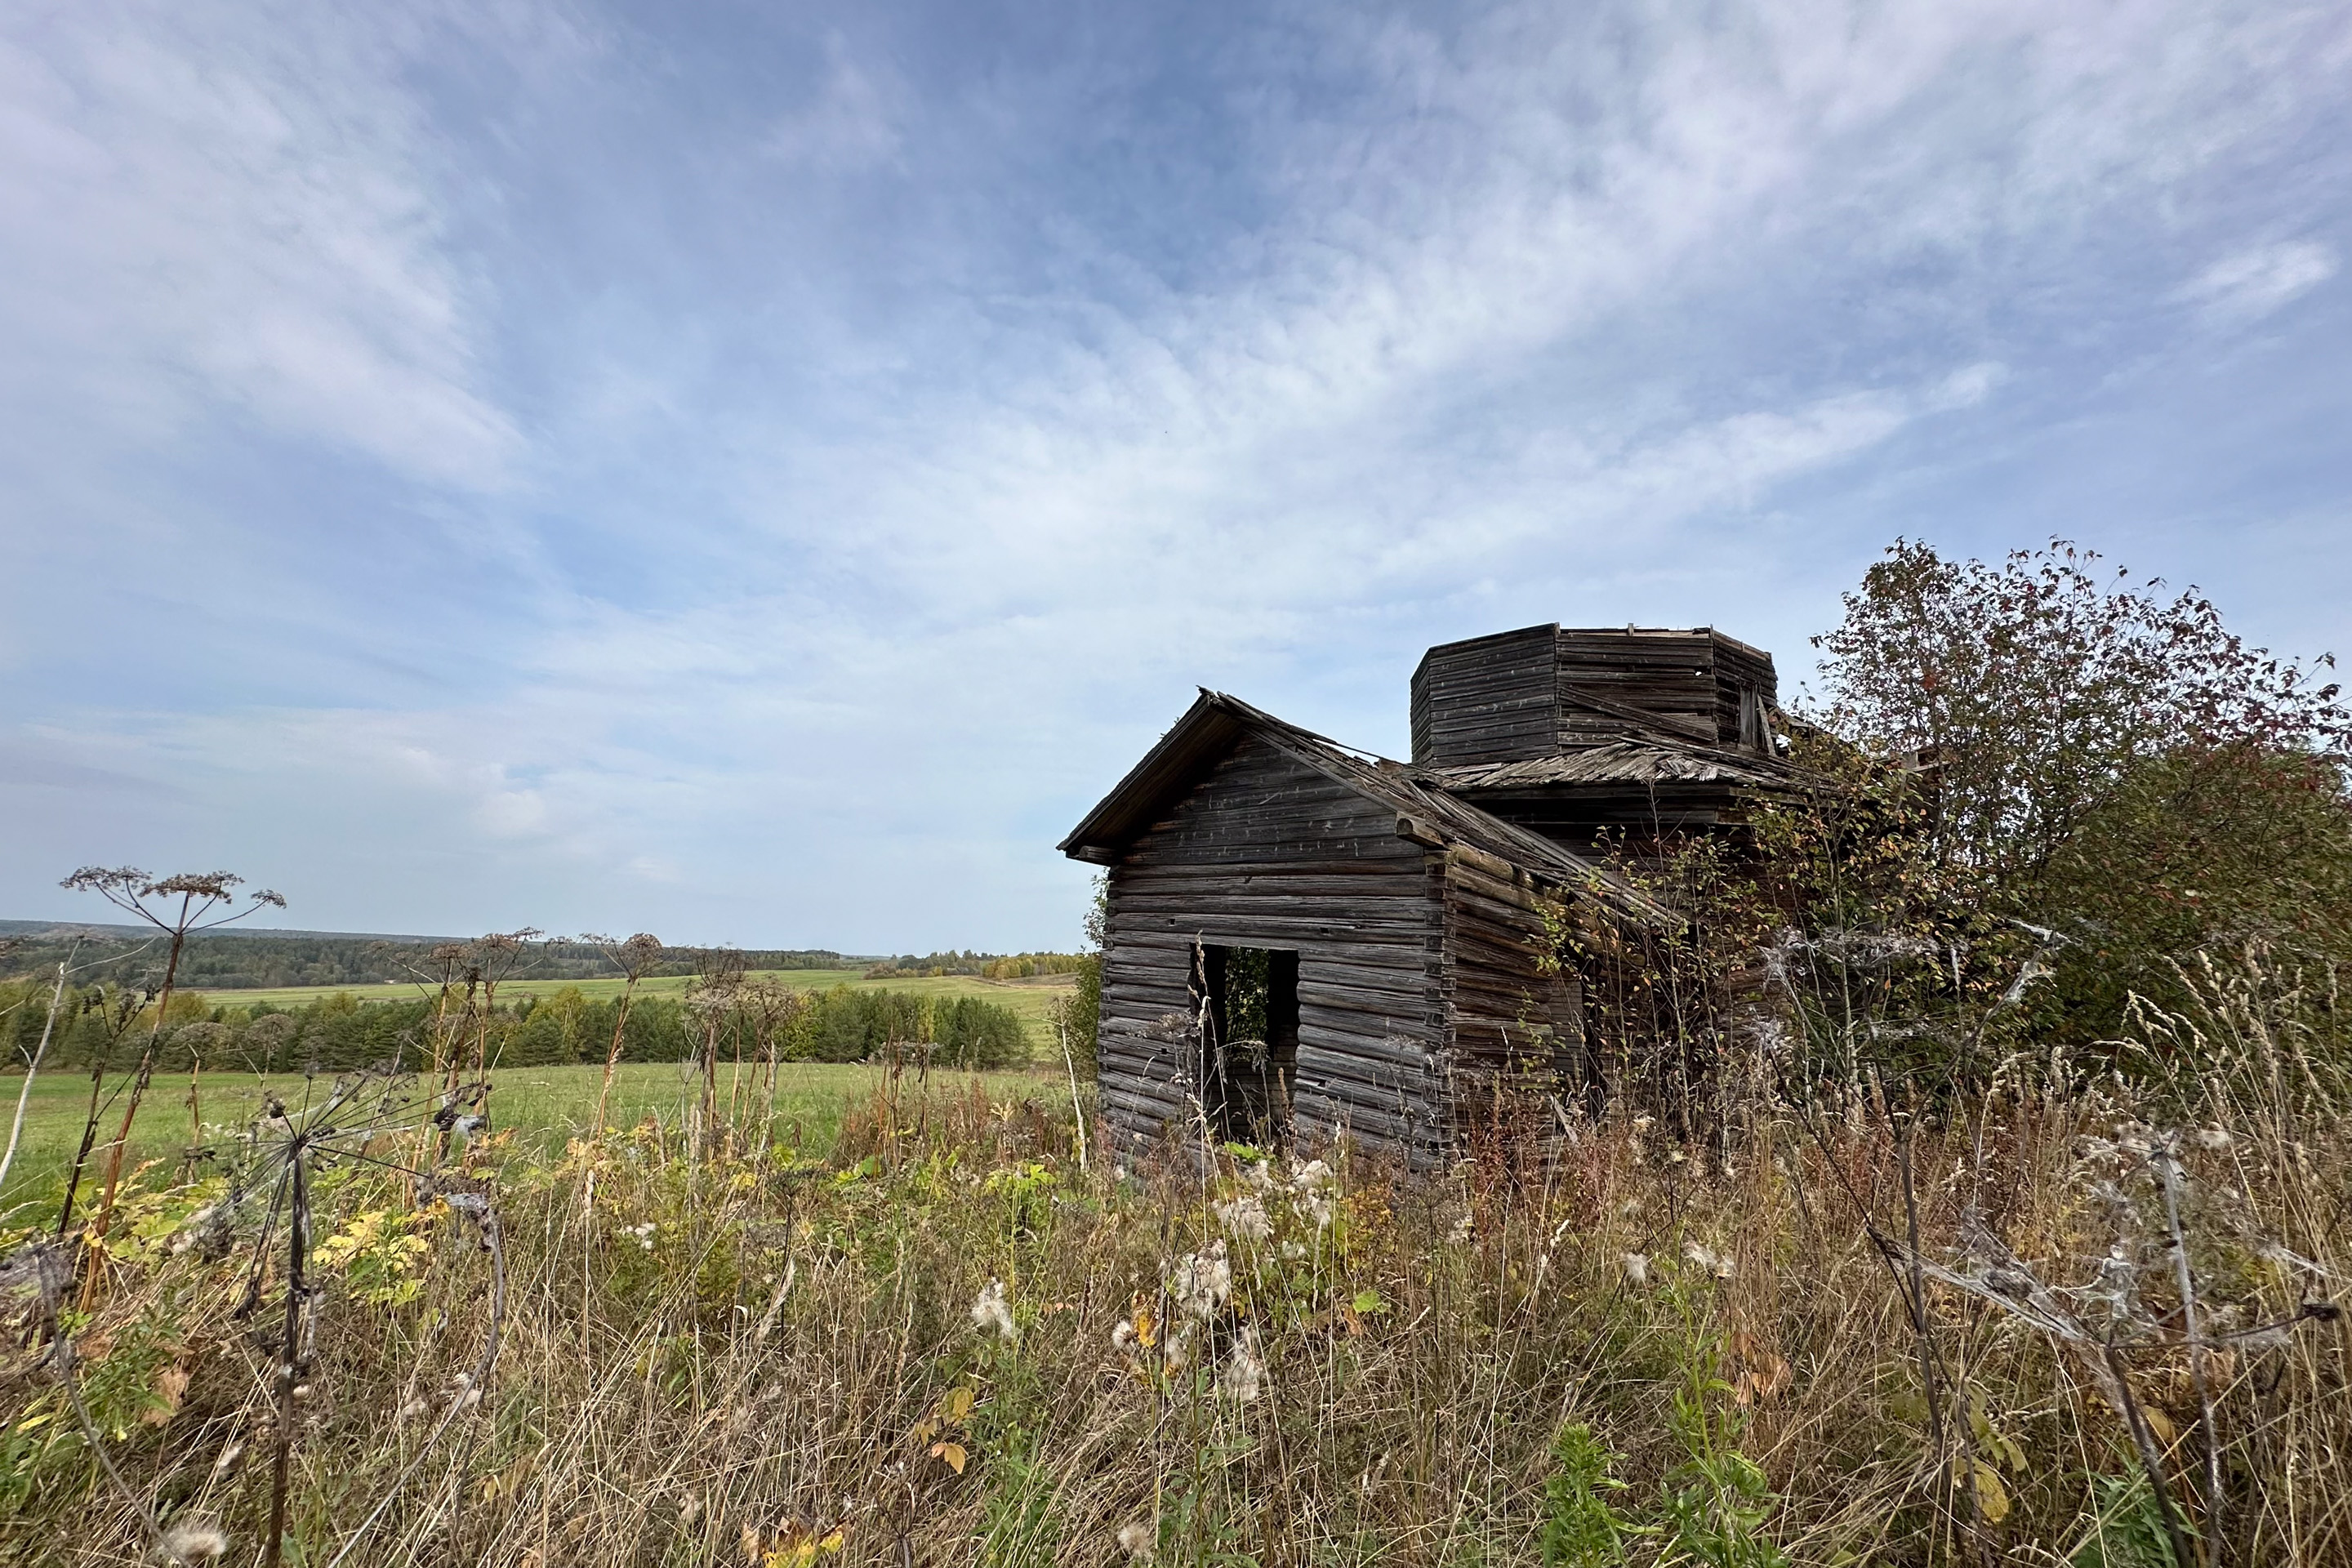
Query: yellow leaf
x=952, y=1453
x=1993, y=1498
x=796, y=1546
x=958, y=1404
x=2160, y=1423
x=832, y=1542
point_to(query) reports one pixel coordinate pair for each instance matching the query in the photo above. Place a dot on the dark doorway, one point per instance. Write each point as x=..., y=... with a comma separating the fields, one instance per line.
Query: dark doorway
x=1249, y=1003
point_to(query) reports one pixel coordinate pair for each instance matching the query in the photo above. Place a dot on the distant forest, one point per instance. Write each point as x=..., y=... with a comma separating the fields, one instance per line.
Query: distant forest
x=843, y=1024
x=985, y=965
x=256, y=960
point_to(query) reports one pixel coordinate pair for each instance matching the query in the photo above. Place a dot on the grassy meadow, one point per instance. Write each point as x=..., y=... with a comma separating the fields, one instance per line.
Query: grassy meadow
x=539, y=1108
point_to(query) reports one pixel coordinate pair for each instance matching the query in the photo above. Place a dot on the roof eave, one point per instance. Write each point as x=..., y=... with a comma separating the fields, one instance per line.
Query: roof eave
x=1206, y=729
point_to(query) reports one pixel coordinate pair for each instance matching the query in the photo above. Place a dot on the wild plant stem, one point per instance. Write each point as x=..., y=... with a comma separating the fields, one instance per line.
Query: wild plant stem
x=1078, y=1110
x=122, y=1143
x=2151, y=1459
x=89, y=1138
x=2168, y=1167
x=298, y=1237
x=195, y=1108
x=32, y=1070
x=613, y=1056
x=1916, y=1300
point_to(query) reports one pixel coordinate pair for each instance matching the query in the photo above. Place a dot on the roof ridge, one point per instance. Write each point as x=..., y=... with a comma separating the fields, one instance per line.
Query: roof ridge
x=1526, y=850
x=1379, y=778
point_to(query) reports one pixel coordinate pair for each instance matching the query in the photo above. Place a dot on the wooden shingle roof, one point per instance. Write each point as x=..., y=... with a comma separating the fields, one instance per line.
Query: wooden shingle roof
x=1624, y=762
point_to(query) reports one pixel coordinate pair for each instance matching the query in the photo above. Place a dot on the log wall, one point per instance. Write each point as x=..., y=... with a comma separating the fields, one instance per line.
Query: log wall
x=1490, y=699
x=1545, y=690
x=1669, y=676
x=1268, y=852
x=1504, y=1015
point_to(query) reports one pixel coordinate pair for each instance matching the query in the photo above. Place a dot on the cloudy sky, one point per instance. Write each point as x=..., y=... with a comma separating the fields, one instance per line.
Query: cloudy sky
x=756, y=473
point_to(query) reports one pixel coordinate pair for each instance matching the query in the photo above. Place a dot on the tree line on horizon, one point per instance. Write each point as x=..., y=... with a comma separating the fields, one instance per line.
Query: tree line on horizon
x=105, y=1024
x=245, y=960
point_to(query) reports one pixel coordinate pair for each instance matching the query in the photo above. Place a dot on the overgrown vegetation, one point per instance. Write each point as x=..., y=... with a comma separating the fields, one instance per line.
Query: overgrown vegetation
x=1945, y=1186
x=943, y=1339
x=2097, y=760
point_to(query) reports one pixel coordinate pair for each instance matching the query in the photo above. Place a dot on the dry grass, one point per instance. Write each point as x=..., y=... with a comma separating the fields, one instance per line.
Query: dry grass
x=739, y=1359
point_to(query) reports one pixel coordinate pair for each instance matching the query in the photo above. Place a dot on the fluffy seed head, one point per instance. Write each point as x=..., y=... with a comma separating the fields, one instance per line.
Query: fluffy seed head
x=990, y=1310
x=1706, y=1258
x=1243, y=1378
x=1245, y=1218
x=195, y=1541
x=1199, y=1282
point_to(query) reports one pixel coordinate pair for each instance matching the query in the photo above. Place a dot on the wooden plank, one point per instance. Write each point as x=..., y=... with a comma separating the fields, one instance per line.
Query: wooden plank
x=1268, y=852
x=1485, y=700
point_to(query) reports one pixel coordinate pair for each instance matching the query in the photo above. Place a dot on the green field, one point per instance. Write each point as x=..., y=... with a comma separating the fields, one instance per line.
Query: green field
x=1028, y=998
x=544, y=1106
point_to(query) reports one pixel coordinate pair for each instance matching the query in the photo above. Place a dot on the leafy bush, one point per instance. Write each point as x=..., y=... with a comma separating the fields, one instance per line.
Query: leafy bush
x=1580, y=1529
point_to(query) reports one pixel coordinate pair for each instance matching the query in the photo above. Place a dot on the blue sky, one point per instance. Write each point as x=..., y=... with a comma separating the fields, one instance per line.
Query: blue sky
x=758, y=473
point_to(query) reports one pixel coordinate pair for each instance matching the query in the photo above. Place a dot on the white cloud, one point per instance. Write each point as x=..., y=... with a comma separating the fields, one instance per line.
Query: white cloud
x=1492, y=197
x=2248, y=285
x=852, y=124
x=229, y=206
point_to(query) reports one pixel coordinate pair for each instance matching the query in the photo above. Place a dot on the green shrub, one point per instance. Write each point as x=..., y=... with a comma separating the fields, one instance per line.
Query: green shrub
x=1580, y=1530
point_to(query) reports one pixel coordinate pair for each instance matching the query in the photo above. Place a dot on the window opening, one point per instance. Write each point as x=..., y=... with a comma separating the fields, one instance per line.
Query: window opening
x=1247, y=1001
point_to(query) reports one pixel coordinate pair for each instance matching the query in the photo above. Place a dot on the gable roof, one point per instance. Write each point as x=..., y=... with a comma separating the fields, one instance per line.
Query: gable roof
x=1216, y=723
